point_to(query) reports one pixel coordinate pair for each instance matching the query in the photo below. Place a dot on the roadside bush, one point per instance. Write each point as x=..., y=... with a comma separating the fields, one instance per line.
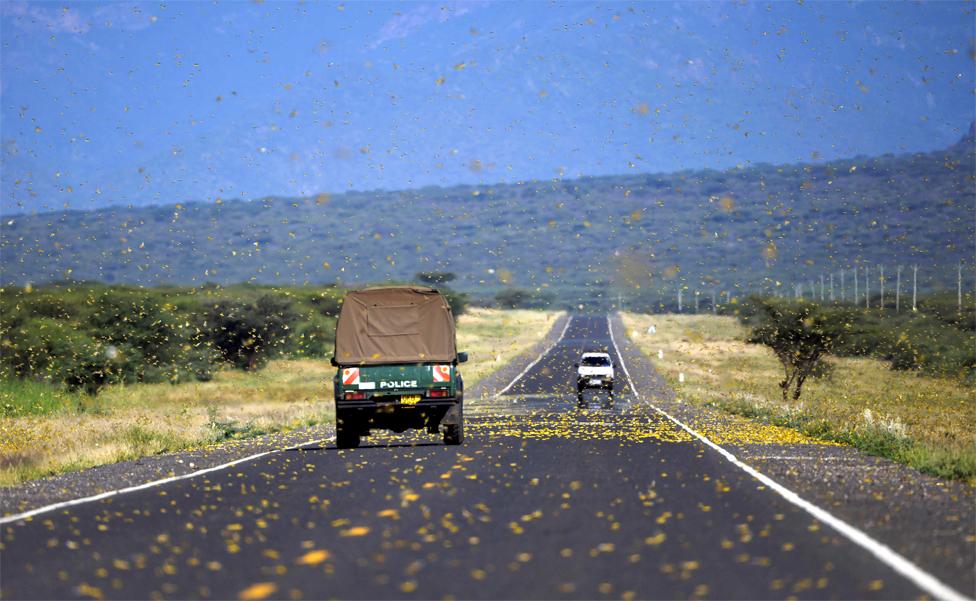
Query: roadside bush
x=512, y=298
x=88, y=369
x=313, y=337
x=53, y=351
x=200, y=362
x=248, y=334
x=145, y=330
x=457, y=300
x=87, y=335
x=519, y=298
x=936, y=340
x=800, y=335
x=904, y=356
x=327, y=303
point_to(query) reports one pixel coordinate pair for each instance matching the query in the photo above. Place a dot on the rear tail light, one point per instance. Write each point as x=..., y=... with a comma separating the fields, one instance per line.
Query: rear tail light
x=438, y=392
x=355, y=396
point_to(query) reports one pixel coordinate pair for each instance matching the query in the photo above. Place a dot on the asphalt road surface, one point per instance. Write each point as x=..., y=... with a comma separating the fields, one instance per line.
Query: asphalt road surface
x=544, y=500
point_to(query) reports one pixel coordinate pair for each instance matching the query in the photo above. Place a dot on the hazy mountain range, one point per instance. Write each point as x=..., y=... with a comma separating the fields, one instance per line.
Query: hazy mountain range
x=640, y=234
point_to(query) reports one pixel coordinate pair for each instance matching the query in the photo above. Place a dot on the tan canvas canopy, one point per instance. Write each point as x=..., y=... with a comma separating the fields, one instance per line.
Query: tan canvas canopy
x=395, y=324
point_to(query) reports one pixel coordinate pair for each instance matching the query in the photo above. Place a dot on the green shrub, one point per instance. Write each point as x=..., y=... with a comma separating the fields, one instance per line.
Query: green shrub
x=87, y=335
x=313, y=337
x=801, y=335
x=457, y=300
x=248, y=334
x=519, y=298
x=936, y=340
x=144, y=327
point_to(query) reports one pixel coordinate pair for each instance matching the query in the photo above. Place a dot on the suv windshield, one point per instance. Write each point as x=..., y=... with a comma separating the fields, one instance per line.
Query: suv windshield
x=595, y=362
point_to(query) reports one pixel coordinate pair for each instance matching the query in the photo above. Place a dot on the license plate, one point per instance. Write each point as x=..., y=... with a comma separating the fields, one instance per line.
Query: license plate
x=596, y=382
x=410, y=400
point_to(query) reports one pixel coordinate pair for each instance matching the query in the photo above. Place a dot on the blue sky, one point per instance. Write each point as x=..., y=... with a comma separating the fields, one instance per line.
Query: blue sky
x=181, y=101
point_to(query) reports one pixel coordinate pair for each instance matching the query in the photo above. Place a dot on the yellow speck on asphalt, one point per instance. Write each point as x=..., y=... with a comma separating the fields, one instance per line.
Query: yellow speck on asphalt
x=260, y=590
x=313, y=557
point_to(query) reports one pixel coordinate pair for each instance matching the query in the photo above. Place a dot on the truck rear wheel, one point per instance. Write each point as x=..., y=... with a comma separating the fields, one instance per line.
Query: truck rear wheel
x=347, y=436
x=454, y=433
x=346, y=440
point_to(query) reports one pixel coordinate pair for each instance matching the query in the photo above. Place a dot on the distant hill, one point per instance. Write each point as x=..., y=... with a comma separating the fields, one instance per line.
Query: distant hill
x=967, y=142
x=636, y=235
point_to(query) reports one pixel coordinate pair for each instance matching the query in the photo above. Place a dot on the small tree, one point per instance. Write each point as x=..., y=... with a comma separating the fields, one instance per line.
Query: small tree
x=247, y=334
x=441, y=279
x=801, y=335
x=520, y=298
x=457, y=300
x=513, y=298
x=436, y=277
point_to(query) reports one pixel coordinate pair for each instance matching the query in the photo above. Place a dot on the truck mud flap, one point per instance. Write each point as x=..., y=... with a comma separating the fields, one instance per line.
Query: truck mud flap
x=453, y=415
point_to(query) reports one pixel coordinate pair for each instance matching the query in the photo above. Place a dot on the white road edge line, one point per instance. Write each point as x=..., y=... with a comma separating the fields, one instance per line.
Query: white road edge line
x=121, y=491
x=569, y=319
x=888, y=556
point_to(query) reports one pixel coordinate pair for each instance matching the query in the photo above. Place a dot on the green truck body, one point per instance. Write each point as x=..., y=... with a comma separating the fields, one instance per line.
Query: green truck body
x=374, y=387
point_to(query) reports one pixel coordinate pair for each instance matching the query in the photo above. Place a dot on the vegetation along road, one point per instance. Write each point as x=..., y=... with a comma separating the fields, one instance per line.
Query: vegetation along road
x=646, y=498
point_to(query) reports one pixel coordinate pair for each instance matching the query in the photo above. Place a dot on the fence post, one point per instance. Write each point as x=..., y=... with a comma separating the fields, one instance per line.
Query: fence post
x=843, y=288
x=855, y=286
x=914, y=287
x=898, y=289
x=959, y=288
x=882, y=286
x=831, y=286
x=867, y=288
x=679, y=299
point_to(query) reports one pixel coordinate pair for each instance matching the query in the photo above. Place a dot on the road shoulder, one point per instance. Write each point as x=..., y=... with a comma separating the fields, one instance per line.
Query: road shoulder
x=493, y=383
x=930, y=521
x=113, y=476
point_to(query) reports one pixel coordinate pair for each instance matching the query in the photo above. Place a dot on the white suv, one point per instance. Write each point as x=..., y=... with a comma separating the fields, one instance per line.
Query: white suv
x=595, y=370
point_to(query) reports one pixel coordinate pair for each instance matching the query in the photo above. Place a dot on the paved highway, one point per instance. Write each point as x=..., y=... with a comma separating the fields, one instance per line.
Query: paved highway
x=542, y=501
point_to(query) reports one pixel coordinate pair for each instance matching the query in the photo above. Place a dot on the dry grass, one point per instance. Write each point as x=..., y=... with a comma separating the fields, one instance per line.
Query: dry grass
x=926, y=422
x=127, y=422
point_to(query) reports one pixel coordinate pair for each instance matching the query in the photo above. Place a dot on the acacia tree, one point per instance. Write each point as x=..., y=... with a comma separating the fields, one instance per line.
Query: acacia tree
x=801, y=335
